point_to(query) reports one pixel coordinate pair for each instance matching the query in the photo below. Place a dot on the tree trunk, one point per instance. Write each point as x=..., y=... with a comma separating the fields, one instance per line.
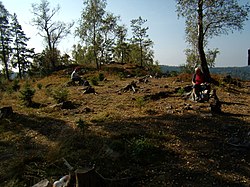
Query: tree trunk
x=51, y=48
x=95, y=47
x=201, y=42
x=141, y=54
x=4, y=57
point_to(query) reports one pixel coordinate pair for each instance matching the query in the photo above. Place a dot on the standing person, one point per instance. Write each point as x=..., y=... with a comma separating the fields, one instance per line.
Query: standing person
x=75, y=76
x=197, y=80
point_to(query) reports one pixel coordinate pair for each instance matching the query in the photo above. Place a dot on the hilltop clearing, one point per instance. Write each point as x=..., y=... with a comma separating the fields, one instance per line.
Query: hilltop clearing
x=151, y=135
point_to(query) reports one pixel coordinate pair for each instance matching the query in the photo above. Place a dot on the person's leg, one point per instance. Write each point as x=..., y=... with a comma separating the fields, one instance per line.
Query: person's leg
x=197, y=89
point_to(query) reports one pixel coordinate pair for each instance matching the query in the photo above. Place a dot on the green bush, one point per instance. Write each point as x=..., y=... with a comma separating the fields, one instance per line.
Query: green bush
x=15, y=85
x=81, y=125
x=10, y=87
x=60, y=95
x=26, y=94
x=39, y=86
x=181, y=91
x=3, y=84
x=140, y=102
x=94, y=81
x=141, y=149
x=101, y=77
x=49, y=92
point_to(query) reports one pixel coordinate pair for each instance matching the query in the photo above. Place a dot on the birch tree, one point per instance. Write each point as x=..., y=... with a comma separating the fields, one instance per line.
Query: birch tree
x=207, y=19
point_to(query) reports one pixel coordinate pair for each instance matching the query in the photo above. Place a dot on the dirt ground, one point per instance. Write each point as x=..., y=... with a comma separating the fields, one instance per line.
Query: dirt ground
x=166, y=141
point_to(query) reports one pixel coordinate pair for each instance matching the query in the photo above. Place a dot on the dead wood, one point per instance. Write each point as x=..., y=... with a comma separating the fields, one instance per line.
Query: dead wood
x=131, y=86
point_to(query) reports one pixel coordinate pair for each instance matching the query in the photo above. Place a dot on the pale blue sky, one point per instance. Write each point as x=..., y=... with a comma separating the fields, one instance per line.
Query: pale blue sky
x=165, y=29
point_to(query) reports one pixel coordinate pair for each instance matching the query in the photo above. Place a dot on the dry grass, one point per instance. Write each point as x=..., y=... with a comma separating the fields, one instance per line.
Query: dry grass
x=161, y=142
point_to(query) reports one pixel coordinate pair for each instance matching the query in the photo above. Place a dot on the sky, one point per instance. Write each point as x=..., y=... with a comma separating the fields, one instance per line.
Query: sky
x=166, y=30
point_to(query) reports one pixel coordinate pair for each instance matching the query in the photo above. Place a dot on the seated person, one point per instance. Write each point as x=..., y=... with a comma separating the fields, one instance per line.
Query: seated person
x=197, y=80
x=75, y=76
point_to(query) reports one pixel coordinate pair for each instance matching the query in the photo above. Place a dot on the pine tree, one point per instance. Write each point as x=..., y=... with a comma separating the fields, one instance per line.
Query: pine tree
x=5, y=39
x=21, y=54
x=141, y=38
x=121, y=50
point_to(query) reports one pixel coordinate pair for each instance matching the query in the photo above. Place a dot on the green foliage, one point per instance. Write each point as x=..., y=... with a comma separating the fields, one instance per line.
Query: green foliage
x=141, y=149
x=140, y=37
x=26, y=94
x=140, y=102
x=39, y=86
x=81, y=125
x=15, y=85
x=2, y=84
x=212, y=18
x=94, y=81
x=60, y=95
x=193, y=60
x=52, y=31
x=121, y=75
x=83, y=54
x=49, y=92
x=22, y=55
x=6, y=40
x=101, y=77
x=11, y=87
x=91, y=34
x=181, y=91
x=121, y=50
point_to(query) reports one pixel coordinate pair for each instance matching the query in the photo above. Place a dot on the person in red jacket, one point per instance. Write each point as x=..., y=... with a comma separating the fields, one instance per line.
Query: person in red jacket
x=197, y=80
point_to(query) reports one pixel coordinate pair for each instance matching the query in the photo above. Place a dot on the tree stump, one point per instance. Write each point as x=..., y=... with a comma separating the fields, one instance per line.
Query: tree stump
x=132, y=86
x=215, y=103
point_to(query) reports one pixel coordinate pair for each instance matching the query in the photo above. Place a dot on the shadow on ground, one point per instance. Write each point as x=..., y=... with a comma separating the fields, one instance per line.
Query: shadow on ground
x=174, y=150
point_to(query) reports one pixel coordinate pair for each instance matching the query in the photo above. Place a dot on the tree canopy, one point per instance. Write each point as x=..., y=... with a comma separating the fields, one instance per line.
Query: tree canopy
x=52, y=31
x=206, y=19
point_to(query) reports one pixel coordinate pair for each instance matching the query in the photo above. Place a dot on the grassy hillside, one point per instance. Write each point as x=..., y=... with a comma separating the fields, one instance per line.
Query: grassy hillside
x=156, y=141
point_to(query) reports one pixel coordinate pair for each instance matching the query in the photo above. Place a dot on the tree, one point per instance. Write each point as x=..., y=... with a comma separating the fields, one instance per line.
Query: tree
x=192, y=58
x=21, y=54
x=121, y=49
x=140, y=36
x=5, y=39
x=108, y=31
x=206, y=19
x=52, y=31
x=91, y=24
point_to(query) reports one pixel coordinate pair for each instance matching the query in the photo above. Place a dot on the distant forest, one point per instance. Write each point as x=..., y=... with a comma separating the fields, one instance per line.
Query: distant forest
x=236, y=72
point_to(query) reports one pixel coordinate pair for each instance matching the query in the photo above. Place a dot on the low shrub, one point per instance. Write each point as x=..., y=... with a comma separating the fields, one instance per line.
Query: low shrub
x=27, y=94
x=81, y=125
x=15, y=85
x=94, y=81
x=140, y=102
x=39, y=86
x=60, y=95
x=101, y=77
